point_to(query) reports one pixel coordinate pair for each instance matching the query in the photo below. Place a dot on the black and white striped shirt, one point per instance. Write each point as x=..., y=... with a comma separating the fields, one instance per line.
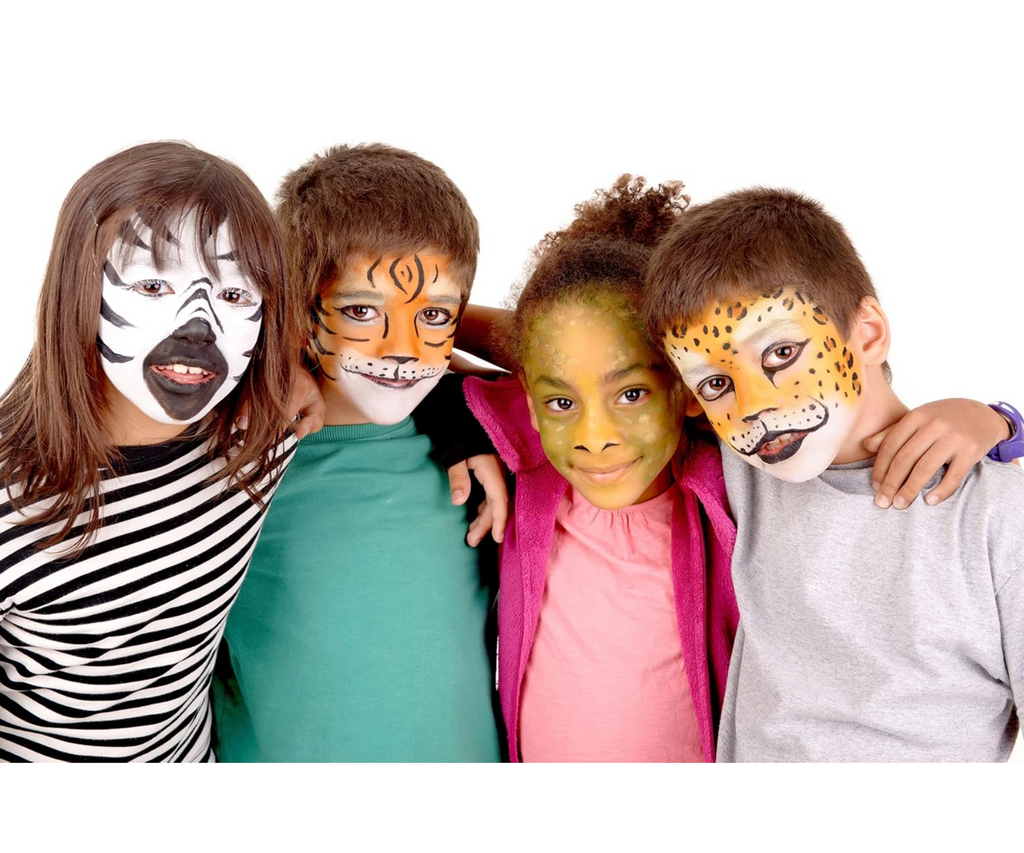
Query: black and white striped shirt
x=108, y=656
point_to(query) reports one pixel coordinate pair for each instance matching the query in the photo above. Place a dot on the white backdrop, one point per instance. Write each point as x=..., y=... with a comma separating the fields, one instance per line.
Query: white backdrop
x=900, y=117
x=901, y=121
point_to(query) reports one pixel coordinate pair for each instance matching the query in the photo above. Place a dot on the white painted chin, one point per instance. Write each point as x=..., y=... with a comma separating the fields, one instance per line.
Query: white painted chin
x=817, y=450
x=382, y=401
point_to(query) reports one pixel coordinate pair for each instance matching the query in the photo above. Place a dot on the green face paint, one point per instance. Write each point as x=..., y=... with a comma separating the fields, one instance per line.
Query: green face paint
x=605, y=404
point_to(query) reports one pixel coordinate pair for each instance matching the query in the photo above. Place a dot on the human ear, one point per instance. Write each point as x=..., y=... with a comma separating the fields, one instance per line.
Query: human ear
x=870, y=333
x=529, y=403
x=693, y=407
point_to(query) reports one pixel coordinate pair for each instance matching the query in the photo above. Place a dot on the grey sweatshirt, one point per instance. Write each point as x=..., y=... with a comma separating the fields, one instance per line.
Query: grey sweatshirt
x=869, y=634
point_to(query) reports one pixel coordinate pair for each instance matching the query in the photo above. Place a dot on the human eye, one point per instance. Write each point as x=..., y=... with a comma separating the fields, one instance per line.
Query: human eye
x=713, y=388
x=437, y=317
x=634, y=396
x=238, y=297
x=780, y=356
x=360, y=313
x=153, y=287
x=559, y=404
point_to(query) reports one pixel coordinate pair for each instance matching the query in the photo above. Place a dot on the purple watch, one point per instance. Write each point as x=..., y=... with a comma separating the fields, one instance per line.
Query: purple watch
x=1009, y=448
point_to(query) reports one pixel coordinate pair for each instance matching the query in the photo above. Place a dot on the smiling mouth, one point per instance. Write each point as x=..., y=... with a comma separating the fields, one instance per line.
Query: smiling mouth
x=604, y=475
x=391, y=384
x=183, y=374
x=779, y=446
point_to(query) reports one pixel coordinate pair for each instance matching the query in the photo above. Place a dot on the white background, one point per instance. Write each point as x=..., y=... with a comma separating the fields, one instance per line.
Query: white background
x=903, y=118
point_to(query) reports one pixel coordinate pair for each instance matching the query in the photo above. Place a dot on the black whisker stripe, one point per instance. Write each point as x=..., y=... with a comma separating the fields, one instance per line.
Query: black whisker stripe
x=107, y=656
x=110, y=355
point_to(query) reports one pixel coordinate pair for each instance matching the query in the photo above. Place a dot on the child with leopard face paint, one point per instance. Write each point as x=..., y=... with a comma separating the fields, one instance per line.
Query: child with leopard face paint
x=865, y=635
x=617, y=613
x=130, y=501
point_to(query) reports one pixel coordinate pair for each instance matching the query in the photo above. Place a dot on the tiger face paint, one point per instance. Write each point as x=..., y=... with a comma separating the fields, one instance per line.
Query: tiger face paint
x=175, y=342
x=382, y=336
x=605, y=405
x=776, y=379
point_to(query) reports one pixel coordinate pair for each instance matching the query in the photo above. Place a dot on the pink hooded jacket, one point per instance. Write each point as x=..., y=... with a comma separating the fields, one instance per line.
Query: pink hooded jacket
x=703, y=535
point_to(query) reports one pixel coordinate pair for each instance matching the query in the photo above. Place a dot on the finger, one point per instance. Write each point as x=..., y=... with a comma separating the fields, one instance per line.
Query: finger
x=242, y=419
x=308, y=425
x=499, y=511
x=955, y=473
x=873, y=442
x=459, y=483
x=926, y=467
x=896, y=436
x=903, y=460
x=480, y=525
x=488, y=472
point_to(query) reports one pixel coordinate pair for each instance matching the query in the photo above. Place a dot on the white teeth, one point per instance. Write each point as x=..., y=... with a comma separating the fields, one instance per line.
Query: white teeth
x=181, y=368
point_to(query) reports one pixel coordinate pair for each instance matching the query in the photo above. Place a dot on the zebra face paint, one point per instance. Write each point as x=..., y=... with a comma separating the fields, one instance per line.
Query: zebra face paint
x=175, y=342
x=382, y=336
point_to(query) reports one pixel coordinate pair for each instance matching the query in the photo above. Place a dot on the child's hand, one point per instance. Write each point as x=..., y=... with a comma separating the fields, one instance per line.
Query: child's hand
x=306, y=403
x=493, y=512
x=956, y=432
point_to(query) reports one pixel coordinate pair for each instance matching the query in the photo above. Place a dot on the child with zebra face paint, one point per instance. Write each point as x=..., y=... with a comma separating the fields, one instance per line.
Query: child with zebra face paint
x=175, y=341
x=130, y=501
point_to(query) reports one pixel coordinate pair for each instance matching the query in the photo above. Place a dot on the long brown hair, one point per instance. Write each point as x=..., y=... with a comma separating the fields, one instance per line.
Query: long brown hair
x=52, y=441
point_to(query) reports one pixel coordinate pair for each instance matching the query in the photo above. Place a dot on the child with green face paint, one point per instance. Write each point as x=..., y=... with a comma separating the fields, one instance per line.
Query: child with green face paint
x=617, y=612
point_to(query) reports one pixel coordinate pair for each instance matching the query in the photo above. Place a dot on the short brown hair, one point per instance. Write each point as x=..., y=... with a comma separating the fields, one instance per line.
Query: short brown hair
x=370, y=199
x=52, y=438
x=754, y=241
x=605, y=249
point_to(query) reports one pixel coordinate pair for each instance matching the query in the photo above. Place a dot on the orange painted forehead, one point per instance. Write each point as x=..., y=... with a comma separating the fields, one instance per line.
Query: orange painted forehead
x=400, y=277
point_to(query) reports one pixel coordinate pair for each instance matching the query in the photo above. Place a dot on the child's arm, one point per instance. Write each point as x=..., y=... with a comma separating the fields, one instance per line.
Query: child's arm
x=461, y=445
x=476, y=332
x=958, y=433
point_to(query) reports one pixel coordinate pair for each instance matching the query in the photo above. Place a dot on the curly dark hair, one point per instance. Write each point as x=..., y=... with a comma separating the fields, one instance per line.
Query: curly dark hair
x=605, y=249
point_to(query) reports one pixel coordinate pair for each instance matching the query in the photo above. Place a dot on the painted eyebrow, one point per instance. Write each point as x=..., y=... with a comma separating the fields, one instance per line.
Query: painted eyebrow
x=365, y=295
x=454, y=301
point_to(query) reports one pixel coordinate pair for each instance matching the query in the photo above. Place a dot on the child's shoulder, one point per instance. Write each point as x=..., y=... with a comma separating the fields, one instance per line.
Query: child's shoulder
x=501, y=408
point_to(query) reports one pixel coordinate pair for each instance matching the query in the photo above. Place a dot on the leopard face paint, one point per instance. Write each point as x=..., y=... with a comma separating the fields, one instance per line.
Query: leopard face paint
x=382, y=336
x=776, y=379
x=605, y=404
x=175, y=342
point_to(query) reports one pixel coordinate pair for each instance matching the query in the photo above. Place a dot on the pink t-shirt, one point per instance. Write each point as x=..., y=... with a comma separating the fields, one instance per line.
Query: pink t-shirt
x=606, y=679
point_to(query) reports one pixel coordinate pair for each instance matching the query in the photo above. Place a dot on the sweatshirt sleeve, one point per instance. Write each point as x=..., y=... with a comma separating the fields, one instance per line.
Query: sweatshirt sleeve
x=500, y=406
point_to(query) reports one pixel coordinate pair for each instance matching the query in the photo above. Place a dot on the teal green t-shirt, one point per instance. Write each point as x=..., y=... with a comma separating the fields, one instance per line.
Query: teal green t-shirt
x=358, y=634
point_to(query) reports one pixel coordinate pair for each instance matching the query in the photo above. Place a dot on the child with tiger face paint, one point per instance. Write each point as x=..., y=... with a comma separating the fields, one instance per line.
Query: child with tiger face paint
x=864, y=635
x=360, y=634
x=383, y=334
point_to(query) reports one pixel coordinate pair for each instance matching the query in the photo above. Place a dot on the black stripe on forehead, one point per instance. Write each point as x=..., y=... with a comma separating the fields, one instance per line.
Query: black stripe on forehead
x=201, y=293
x=394, y=278
x=419, y=279
x=369, y=273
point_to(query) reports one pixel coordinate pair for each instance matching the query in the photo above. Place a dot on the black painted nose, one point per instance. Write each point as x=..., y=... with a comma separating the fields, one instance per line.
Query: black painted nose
x=196, y=330
x=401, y=359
